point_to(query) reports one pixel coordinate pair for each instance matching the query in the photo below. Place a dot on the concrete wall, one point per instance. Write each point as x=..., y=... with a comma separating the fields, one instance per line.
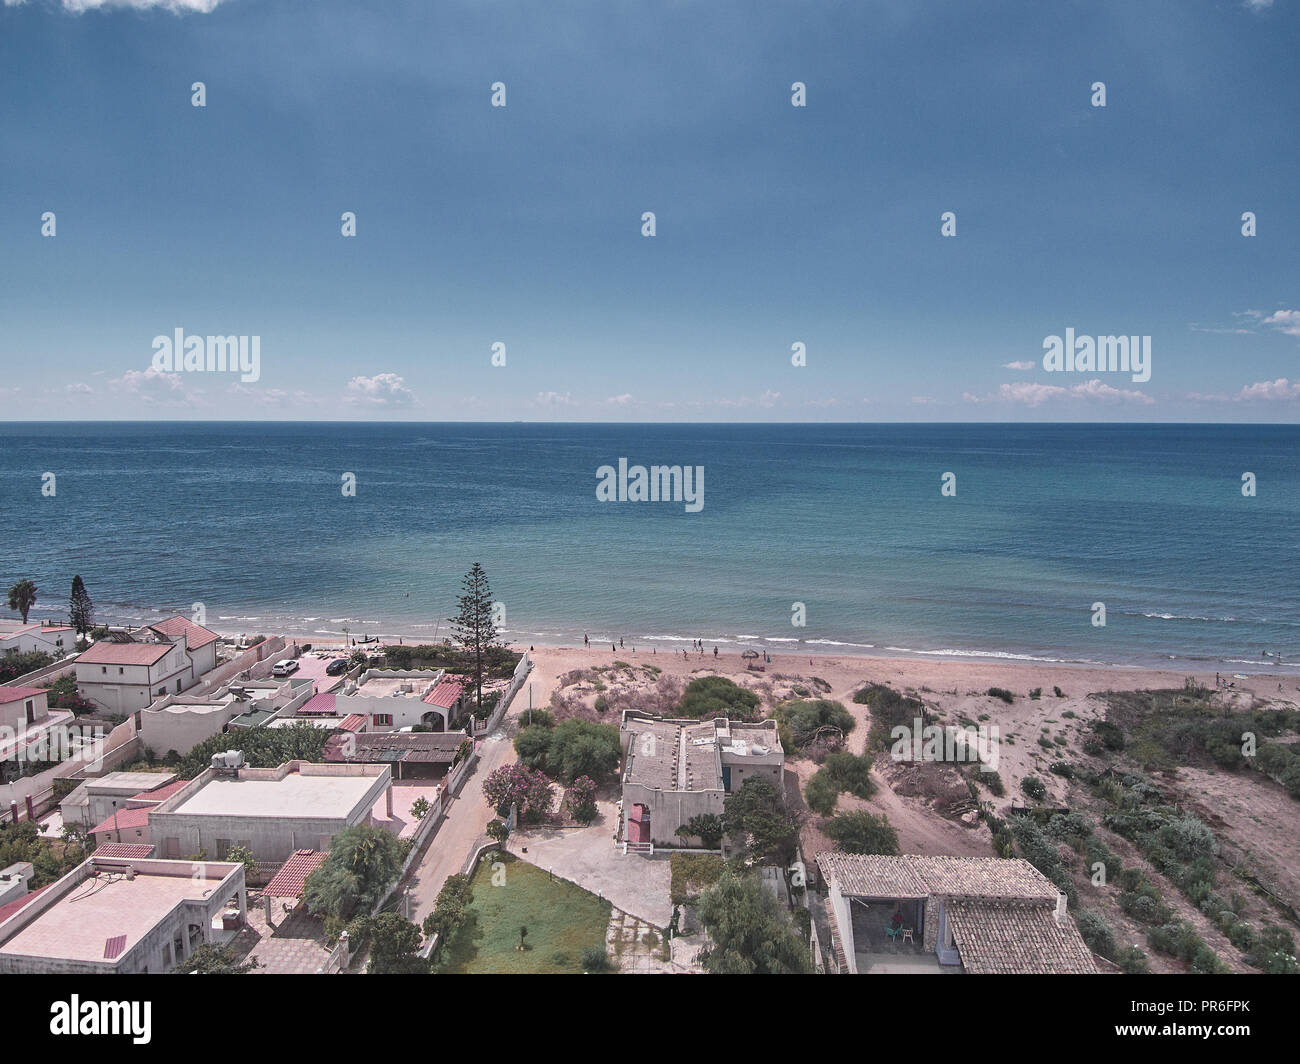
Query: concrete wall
x=13, y=715
x=669, y=810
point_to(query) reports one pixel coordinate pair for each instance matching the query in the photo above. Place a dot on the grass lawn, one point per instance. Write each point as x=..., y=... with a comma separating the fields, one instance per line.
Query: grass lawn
x=562, y=921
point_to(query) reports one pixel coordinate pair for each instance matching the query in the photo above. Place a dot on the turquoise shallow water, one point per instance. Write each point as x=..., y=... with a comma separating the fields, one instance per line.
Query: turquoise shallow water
x=847, y=519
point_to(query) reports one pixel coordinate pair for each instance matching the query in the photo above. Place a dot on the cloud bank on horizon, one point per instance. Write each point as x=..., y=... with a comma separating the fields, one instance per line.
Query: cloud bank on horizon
x=874, y=211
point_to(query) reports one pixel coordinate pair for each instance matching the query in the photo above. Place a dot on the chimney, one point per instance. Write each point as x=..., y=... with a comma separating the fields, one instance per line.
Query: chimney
x=1061, y=902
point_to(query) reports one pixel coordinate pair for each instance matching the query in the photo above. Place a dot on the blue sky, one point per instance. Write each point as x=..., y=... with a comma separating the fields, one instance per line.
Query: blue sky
x=775, y=224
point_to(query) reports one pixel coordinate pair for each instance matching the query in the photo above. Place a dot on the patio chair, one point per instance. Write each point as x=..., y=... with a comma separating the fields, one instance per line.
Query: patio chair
x=893, y=932
x=907, y=936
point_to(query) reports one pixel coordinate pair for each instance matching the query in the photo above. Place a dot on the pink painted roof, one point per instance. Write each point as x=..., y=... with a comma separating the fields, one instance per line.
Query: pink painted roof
x=445, y=694
x=103, y=653
x=160, y=793
x=195, y=636
x=126, y=818
x=130, y=850
x=56, y=628
x=12, y=907
x=291, y=880
x=353, y=722
x=322, y=703
x=16, y=694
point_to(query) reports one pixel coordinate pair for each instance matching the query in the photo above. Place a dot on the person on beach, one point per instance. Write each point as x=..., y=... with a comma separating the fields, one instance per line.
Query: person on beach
x=715, y=652
x=585, y=641
x=620, y=641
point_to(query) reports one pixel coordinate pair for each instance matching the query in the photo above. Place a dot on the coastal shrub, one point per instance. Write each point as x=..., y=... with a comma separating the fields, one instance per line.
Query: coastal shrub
x=821, y=794
x=1097, y=935
x=1002, y=693
x=707, y=827
x=261, y=747
x=1041, y=852
x=1096, y=852
x=889, y=710
x=691, y=873
x=1063, y=769
x=862, y=832
x=595, y=959
x=717, y=696
x=541, y=718
x=580, y=800
x=571, y=749
x=1070, y=827
x=1034, y=788
x=991, y=779
x=1058, y=692
x=749, y=931
x=849, y=772
x=1112, y=738
x=1035, y=694
x=821, y=721
x=756, y=819
x=1132, y=961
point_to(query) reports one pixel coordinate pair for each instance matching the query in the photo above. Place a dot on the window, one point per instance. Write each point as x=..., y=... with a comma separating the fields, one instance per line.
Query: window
x=103, y=668
x=382, y=719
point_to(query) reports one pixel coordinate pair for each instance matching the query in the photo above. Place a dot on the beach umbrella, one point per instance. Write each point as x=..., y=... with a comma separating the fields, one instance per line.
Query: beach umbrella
x=750, y=654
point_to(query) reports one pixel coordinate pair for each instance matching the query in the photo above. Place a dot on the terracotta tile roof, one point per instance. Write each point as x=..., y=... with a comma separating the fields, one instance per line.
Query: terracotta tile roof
x=322, y=703
x=195, y=636
x=105, y=653
x=353, y=722
x=16, y=694
x=291, y=880
x=445, y=694
x=126, y=818
x=134, y=851
x=1017, y=938
x=914, y=876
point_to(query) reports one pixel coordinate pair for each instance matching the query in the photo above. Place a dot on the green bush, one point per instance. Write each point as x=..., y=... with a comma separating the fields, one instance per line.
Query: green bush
x=802, y=722
x=716, y=696
x=1002, y=693
x=1034, y=788
x=1132, y=961
x=1096, y=933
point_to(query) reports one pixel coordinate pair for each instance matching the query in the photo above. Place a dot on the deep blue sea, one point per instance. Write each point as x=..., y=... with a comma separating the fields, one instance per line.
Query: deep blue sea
x=250, y=519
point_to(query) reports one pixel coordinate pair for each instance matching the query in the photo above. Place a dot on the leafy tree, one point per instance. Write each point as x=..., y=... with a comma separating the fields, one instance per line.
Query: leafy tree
x=519, y=785
x=242, y=855
x=749, y=932
x=533, y=745
x=81, y=611
x=363, y=862
x=584, y=748
x=756, y=818
x=473, y=627
x=420, y=808
x=498, y=832
x=451, y=907
x=22, y=597
x=209, y=959
x=14, y=665
x=394, y=945
x=261, y=747
x=716, y=696
x=580, y=800
x=707, y=827
x=861, y=832
x=805, y=722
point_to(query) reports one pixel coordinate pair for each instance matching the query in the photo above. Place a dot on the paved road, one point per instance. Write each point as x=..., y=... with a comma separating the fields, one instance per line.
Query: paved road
x=465, y=822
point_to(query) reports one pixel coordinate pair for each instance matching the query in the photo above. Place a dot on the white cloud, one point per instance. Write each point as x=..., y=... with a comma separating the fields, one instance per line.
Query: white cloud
x=1257, y=5
x=1019, y=365
x=1031, y=393
x=179, y=7
x=1287, y=321
x=383, y=389
x=151, y=386
x=554, y=399
x=79, y=388
x=620, y=400
x=276, y=397
x=1281, y=388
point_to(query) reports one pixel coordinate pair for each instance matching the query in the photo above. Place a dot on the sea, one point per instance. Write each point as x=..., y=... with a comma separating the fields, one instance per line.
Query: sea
x=817, y=539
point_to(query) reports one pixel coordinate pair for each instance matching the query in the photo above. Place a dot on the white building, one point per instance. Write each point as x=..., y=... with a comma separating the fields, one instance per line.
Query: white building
x=122, y=676
x=392, y=699
x=54, y=639
x=122, y=916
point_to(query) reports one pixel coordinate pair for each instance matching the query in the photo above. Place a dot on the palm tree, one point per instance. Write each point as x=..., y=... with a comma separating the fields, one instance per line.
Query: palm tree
x=22, y=597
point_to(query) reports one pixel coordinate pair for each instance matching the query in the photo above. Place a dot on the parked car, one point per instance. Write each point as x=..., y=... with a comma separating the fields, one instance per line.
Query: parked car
x=337, y=667
x=284, y=668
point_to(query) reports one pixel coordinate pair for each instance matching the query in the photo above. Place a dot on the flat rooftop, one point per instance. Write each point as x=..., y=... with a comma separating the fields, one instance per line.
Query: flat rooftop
x=296, y=795
x=392, y=686
x=81, y=924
